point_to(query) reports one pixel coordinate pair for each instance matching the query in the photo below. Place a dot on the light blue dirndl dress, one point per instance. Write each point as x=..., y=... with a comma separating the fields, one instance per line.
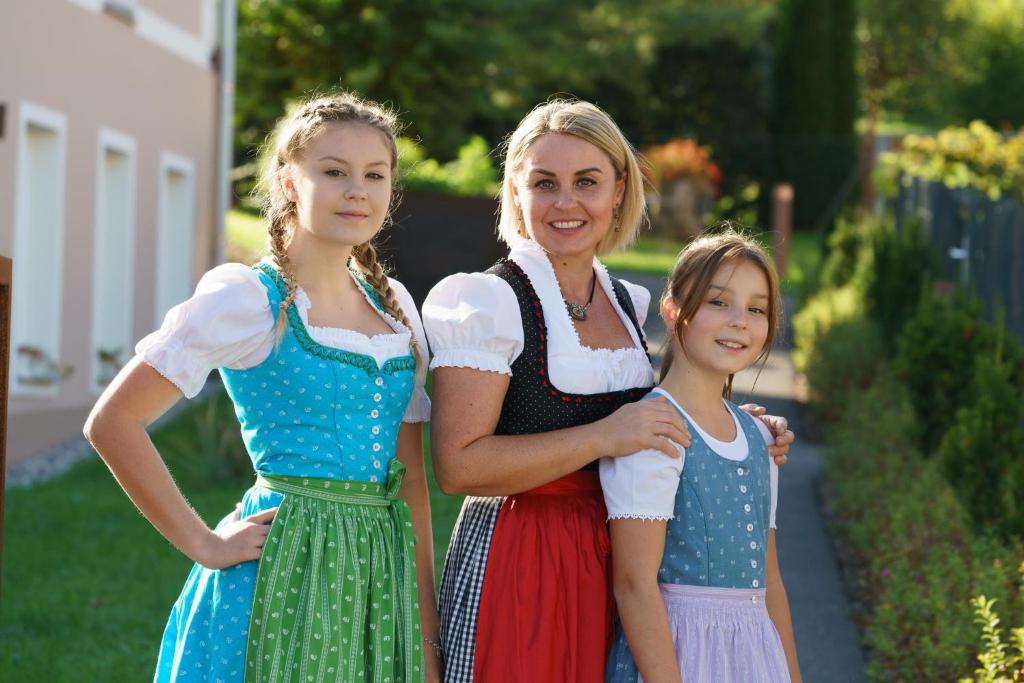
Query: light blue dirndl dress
x=308, y=410
x=712, y=573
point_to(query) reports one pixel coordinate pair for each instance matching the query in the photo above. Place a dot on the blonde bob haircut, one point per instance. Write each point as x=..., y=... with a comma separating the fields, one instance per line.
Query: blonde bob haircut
x=590, y=123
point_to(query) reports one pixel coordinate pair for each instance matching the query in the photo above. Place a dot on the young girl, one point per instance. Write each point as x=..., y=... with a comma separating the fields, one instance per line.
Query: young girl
x=693, y=544
x=320, y=353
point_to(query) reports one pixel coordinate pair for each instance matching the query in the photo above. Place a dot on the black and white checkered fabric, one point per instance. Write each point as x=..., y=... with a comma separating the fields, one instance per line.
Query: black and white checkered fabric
x=462, y=581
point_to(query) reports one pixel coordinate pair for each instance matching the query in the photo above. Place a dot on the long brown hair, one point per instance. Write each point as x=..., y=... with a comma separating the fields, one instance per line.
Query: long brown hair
x=291, y=137
x=691, y=277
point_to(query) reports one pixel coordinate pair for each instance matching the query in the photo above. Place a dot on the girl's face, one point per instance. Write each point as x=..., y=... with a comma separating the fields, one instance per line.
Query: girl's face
x=729, y=329
x=568, y=192
x=341, y=185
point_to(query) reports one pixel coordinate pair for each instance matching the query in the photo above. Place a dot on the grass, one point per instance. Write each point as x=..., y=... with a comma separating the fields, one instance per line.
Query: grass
x=246, y=236
x=88, y=583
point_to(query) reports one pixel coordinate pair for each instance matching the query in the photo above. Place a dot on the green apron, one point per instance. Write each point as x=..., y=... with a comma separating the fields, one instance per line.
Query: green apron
x=335, y=596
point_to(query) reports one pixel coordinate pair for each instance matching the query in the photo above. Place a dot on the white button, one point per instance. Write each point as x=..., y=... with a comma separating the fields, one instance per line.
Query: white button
x=750, y=527
x=753, y=544
x=739, y=470
x=753, y=563
x=746, y=508
x=755, y=583
x=374, y=413
x=379, y=381
x=376, y=447
x=753, y=598
x=743, y=489
x=375, y=430
x=376, y=398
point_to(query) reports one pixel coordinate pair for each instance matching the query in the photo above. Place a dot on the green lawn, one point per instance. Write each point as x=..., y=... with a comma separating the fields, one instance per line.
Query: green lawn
x=246, y=236
x=88, y=583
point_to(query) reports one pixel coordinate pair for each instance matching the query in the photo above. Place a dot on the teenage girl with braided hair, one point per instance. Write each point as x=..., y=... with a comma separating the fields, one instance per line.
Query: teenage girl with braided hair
x=320, y=352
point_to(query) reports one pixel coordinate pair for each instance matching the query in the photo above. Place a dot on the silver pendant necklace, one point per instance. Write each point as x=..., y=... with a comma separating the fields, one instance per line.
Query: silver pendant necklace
x=579, y=311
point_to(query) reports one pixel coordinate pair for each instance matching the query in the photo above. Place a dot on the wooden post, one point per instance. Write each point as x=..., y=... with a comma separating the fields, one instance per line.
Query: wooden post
x=782, y=225
x=5, y=380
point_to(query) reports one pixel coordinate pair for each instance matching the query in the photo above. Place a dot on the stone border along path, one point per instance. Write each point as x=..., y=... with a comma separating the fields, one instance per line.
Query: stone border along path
x=828, y=643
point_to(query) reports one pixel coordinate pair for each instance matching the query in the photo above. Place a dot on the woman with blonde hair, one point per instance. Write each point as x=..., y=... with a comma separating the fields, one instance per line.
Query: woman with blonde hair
x=538, y=366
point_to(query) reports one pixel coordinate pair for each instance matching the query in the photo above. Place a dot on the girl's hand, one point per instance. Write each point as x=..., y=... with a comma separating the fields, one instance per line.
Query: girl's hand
x=237, y=540
x=779, y=427
x=650, y=424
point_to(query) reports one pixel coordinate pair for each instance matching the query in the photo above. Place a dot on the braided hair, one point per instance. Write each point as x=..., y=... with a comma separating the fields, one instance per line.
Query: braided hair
x=292, y=135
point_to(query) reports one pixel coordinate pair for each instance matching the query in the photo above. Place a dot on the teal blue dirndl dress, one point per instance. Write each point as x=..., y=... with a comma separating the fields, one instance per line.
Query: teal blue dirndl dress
x=308, y=410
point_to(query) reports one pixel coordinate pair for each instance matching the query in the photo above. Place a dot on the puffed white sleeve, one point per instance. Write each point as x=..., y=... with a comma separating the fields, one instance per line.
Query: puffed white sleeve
x=641, y=298
x=419, y=404
x=773, y=471
x=473, y=321
x=226, y=324
x=641, y=485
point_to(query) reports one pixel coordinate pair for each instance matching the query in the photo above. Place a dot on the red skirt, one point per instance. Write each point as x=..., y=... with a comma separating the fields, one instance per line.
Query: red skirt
x=546, y=606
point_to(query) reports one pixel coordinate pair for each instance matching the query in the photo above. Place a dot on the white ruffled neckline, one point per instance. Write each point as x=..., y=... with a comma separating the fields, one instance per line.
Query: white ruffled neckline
x=548, y=290
x=380, y=346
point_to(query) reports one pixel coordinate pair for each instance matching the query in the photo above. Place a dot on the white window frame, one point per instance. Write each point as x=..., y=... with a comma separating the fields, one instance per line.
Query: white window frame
x=23, y=306
x=165, y=295
x=111, y=140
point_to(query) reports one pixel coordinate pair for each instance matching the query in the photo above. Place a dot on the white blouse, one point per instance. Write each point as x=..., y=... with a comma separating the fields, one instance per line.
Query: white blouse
x=473, y=321
x=643, y=485
x=228, y=324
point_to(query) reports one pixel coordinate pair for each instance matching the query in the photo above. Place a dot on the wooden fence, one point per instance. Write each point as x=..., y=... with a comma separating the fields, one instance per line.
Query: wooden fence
x=979, y=242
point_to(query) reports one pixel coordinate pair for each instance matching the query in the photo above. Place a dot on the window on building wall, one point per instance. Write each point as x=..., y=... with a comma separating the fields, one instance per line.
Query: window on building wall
x=175, y=232
x=113, y=256
x=38, y=252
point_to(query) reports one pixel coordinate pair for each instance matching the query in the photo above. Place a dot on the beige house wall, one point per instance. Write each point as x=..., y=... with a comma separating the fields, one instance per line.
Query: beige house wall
x=99, y=72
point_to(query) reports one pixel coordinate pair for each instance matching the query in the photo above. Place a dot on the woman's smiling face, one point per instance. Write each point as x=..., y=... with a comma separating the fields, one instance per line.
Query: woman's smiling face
x=568, y=192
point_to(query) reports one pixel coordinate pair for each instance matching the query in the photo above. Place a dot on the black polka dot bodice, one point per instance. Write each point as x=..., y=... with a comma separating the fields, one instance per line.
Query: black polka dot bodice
x=532, y=404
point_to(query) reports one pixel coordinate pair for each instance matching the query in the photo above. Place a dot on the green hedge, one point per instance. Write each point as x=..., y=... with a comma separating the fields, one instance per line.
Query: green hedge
x=899, y=374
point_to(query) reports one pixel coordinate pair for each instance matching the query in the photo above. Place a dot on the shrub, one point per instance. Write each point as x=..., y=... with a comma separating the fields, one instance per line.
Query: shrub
x=843, y=362
x=471, y=173
x=976, y=156
x=917, y=559
x=982, y=454
x=999, y=663
x=902, y=265
x=824, y=310
x=848, y=251
x=935, y=358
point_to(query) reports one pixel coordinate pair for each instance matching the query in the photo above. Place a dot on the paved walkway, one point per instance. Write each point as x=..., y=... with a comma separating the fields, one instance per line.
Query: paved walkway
x=827, y=641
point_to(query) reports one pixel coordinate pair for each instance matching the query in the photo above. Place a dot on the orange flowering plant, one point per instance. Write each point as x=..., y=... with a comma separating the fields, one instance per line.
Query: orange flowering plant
x=682, y=158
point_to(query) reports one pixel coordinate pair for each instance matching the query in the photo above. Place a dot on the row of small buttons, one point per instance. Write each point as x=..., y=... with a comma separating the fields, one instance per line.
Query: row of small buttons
x=750, y=527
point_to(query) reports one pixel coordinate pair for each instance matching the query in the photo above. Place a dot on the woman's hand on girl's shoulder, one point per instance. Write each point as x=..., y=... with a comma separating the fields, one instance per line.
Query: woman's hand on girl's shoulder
x=236, y=539
x=649, y=424
x=779, y=427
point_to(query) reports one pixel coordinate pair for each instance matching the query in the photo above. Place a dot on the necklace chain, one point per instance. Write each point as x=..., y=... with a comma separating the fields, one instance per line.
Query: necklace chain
x=579, y=311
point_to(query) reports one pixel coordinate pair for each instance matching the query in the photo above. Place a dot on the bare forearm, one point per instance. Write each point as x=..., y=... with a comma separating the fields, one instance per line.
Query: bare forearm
x=415, y=495
x=502, y=465
x=128, y=451
x=778, y=609
x=645, y=623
